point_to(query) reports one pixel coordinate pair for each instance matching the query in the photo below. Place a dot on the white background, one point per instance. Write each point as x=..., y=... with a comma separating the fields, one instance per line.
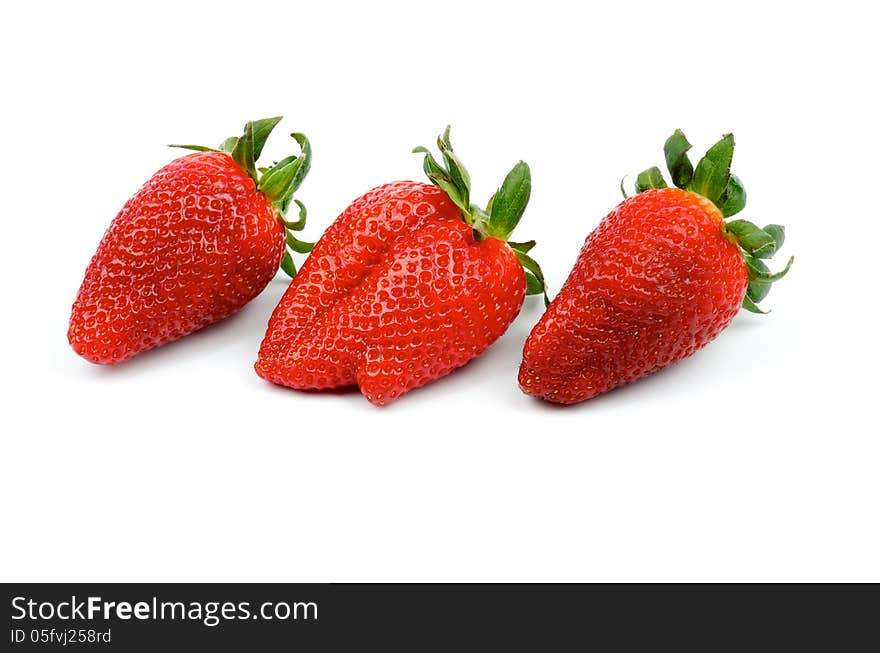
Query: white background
x=756, y=459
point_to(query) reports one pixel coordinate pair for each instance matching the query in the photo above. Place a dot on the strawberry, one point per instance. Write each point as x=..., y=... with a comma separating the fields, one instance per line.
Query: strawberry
x=410, y=282
x=661, y=276
x=197, y=242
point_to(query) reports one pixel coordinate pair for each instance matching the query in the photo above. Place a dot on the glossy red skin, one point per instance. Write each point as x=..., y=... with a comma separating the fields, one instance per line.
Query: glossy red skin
x=191, y=247
x=397, y=293
x=655, y=282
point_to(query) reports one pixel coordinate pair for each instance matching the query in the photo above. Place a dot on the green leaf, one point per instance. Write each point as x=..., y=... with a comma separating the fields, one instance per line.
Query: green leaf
x=531, y=265
x=489, y=204
x=282, y=180
x=282, y=206
x=533, y=286
x=623, y=188
x=288, y=265
x=243, y=153
x=510, y=201
x=306, y=156
x=522, y=247
x=759, y=285
x=299, y=224
x=229, y=144
x=478, y=219
x=439, y=176
x=733, y=199
x=758, y=289
x=760, y=281
x=713, y=171
x=777, y=231
x=430, y=165
x=297, y=245
x=262, y=128
x=451, y=190
x=197, y=148
x=761, y=243
x=767, y=250
x=457, y=173
x=758, y=270
x=276, y=181
x=751, y=306
x=648, y=179
x=751, y=238
x=677, y=162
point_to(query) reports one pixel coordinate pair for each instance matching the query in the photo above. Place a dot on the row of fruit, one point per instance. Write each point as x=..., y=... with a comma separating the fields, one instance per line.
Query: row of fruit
x=413, y=280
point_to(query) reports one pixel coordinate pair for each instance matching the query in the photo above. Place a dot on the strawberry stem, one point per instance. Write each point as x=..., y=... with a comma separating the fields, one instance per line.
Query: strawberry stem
x=650, y=178
x=503, y=211
x=278, y=182
x=713, y=180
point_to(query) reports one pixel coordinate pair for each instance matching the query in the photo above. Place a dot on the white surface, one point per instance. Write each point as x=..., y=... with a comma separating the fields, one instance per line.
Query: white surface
x=756, y=459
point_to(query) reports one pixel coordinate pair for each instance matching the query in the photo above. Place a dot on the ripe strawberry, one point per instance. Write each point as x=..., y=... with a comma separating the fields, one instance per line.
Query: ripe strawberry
x=409, y=283
x=200, y=240
x=661, y=276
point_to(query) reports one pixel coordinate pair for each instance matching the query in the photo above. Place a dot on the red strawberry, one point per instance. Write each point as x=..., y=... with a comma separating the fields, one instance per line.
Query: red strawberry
x=661, y=276
x=409, y=283
x=200, y=240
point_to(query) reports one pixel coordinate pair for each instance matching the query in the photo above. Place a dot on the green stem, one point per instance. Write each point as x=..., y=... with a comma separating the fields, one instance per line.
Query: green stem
x=712, y=179
x=278, y=182
x=503, y=211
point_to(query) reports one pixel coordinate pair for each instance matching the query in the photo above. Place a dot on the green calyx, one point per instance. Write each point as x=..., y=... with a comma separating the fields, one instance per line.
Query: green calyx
x=278, y=182
x=502, y=213
x=713, y=180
